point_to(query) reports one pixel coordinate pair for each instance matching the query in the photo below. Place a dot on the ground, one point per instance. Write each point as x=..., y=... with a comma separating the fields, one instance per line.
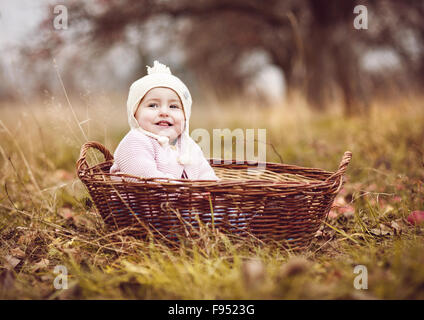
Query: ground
x=46, y=220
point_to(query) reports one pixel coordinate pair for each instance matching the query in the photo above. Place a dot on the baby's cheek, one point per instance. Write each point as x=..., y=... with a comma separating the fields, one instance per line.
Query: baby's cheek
x=176, y=133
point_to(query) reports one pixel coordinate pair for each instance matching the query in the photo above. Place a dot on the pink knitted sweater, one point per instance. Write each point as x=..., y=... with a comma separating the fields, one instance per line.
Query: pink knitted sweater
x=143, y=156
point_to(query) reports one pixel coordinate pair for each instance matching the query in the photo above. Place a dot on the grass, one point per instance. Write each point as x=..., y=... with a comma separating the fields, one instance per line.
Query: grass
x=45, y=219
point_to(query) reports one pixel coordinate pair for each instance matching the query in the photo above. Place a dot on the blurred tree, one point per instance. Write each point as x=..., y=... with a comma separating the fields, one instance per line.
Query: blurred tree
x=313, y=42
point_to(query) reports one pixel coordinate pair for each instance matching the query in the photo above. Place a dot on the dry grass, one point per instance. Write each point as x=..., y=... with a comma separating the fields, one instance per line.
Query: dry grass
x=46, y=221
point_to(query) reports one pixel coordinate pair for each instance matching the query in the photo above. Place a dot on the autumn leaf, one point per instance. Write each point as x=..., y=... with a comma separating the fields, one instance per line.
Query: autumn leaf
x=333, y=214
x=340, y=207
x=66, y=213
x=396, y=227
x=17, y=252
x=397, y=199
x=27, y=238
x=416, y=218
x=42, y=264
x=11, y=262
x=383, y=230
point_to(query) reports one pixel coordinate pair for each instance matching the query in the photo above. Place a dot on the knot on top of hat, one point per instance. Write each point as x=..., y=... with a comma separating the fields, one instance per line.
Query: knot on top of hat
x=158, y=68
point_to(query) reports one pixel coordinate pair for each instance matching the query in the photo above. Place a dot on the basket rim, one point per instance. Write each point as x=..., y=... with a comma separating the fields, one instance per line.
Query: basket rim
x=90, y=173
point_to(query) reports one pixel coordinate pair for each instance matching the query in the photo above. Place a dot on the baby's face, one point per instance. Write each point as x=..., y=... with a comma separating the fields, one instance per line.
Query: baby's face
x=161, y=112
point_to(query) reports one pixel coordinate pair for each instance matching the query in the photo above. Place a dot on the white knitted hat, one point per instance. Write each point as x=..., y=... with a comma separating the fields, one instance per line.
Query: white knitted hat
x=160, y=76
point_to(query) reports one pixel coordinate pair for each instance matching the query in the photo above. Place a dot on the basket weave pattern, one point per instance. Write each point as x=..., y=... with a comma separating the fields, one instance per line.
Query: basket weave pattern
x=284, y=203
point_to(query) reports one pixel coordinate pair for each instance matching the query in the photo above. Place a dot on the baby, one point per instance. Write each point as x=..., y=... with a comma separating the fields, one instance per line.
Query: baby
x=158, y=144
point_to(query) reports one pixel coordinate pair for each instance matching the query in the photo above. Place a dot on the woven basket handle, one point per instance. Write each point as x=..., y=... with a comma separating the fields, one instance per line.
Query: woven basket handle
x=82, y=163
x=342, y=167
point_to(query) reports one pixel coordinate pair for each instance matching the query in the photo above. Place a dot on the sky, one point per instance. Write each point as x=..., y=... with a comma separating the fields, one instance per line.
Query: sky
x=18, y=20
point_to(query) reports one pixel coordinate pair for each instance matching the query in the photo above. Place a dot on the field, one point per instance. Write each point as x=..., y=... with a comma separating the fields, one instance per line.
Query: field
x=45, y=220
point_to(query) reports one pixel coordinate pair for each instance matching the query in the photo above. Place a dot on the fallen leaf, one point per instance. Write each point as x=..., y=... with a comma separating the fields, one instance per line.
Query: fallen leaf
x=348, y=211
x=11, y=262
x=396, y=227
x=378, y=232
x=397, y=199
x=383, y=230
x=342, y=209
x=17, y=252
x=349, y=214
x=66, y=213
x=42, y=264
x=416, y=218
x=339, y=201
x=333, y=214
x=27, y=238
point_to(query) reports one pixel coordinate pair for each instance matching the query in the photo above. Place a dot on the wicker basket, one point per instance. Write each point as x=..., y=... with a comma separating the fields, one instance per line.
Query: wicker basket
x=284, y=203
